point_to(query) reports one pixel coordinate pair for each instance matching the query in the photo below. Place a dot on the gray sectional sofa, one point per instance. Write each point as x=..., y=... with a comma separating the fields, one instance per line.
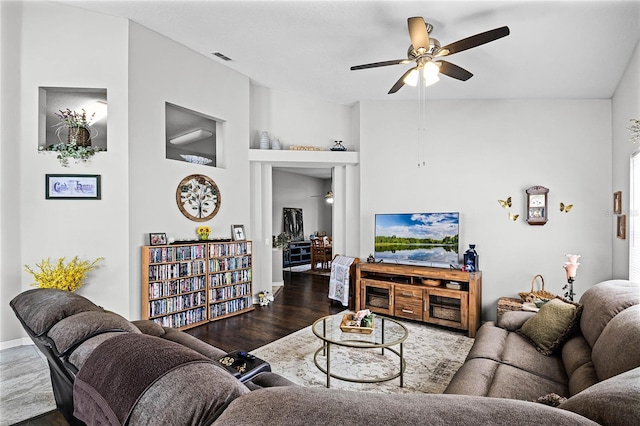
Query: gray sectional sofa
x=107, y=370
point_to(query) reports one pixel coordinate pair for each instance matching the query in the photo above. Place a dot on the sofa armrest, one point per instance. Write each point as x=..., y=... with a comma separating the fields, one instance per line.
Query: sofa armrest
x=513, y=320
x=267, y=379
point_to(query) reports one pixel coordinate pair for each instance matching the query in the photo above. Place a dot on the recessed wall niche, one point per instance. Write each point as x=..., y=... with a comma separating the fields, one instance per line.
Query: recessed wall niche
x=53, y=100
x=192, y=137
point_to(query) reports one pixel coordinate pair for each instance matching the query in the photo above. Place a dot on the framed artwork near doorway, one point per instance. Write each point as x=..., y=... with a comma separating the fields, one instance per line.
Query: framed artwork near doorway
x=293, y=224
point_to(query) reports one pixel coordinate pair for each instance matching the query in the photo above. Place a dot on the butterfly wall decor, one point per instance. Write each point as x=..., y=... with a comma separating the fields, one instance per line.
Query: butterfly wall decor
x=565, y=208
x=505, y=203
x=513, y=217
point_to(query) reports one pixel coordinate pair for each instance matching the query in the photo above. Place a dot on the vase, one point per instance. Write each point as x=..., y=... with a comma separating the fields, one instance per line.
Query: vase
x=264, y=140
x=203, y=236
x=275, y=144
x=79, y=136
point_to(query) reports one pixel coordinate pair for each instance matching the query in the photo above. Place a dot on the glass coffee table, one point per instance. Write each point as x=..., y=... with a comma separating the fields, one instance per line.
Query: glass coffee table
x=386, y=333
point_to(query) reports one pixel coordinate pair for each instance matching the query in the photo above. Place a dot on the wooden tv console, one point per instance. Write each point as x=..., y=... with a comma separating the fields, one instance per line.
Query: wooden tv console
x=398, y=291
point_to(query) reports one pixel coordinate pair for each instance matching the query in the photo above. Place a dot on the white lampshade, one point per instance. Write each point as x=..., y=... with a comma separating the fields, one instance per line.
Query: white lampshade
x=412, y=78
x=431, y=71
x=192, y=136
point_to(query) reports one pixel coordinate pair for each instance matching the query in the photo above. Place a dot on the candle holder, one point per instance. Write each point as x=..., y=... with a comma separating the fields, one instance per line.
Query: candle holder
x=569, y=287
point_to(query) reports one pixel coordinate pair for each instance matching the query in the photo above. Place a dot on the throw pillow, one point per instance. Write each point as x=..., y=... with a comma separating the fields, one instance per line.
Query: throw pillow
x=552, y=325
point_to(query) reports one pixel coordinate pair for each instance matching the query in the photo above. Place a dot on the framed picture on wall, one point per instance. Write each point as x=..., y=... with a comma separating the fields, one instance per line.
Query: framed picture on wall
x=621, y=226
x=157, y=239
x=72, y=187
x=293, y=225
x=617, y=202
x=237, y=233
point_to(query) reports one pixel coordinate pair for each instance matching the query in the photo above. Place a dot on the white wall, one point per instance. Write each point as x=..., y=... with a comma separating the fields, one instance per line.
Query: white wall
x=66, y=228
x=10, y=261
x=625, y=105
x=482, y=151
x=160, y=70
x=298, y=120
x=306, y=193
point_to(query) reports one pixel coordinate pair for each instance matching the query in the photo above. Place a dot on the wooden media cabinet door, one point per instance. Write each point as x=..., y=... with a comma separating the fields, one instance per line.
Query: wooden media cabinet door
x=446, y=307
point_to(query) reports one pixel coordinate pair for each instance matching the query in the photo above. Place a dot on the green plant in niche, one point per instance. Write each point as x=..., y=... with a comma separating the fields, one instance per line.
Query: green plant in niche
x=80, y=132
x=72, y=150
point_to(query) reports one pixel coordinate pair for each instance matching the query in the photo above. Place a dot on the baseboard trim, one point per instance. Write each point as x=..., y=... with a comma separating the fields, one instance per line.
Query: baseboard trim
x=16, y=342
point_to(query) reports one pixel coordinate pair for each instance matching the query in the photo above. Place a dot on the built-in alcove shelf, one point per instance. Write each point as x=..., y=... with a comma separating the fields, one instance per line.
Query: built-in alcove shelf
x=282, y=158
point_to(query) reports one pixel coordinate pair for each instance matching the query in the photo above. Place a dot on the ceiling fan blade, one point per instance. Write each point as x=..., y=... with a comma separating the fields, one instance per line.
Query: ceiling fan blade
x=476, y=40
x=454, y=71
x=400, y=82
x=380, y=64
x=418, y=33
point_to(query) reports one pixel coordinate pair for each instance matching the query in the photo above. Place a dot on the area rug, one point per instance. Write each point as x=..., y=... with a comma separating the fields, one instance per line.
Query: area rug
x=306, y=269
x=432, y=355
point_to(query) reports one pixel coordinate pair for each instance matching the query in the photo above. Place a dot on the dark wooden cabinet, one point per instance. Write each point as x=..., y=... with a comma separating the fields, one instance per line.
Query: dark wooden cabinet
x=299, y=253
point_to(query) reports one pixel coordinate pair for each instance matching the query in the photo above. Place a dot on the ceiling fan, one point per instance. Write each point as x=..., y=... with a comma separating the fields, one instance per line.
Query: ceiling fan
x=426, y=52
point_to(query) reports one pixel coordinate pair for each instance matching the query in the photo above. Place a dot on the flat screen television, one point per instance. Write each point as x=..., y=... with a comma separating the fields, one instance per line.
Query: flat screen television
x=427, y=239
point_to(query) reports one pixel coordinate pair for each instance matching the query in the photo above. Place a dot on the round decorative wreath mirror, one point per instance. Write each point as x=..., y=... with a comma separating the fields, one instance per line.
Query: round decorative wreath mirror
x=198, y=198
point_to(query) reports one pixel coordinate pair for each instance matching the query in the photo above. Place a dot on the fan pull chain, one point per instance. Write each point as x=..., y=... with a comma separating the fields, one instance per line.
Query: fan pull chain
x=422, y=119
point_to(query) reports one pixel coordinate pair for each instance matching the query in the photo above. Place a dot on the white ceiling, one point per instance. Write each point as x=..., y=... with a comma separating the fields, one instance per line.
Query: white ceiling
x=557, y=49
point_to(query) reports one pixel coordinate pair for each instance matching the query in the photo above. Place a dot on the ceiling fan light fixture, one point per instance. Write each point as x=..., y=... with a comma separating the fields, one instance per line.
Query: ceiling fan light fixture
x=192, y=136
x=329, y=197
x=412, y=78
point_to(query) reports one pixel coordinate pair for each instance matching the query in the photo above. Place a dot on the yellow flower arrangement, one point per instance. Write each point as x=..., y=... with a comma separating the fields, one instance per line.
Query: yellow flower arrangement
x=69, y=277
x=203, y=232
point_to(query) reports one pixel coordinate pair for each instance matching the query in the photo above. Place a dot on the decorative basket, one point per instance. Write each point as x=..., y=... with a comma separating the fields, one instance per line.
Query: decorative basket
x=80, y=135
x=430, y=282
x=346, y=326
x=446, y=313
x=540, y=294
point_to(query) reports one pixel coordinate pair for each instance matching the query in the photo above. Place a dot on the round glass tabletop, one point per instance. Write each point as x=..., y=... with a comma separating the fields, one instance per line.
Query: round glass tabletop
x=386, y=332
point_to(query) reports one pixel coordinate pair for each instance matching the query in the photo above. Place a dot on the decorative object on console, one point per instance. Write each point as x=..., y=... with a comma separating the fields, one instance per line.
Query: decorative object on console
x=275, y=144
x=471, y=259
x=203, y=232
x=571, y=267
x=634, y=129
x=237, y=233
x=337, y=146
x=198, y=198
x=565, y=207
x=281, y=241
x=69, y=277
x=157, y=239
x=537, y=205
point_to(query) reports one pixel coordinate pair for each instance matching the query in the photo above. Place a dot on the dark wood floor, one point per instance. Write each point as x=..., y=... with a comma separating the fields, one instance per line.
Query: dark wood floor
x=302, y=300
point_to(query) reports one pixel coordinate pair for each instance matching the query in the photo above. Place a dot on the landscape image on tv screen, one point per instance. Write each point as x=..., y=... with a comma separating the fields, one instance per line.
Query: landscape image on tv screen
x=428, y=239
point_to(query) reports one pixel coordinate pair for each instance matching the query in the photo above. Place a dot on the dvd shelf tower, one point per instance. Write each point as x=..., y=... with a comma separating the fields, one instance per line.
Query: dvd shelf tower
x=185, y=285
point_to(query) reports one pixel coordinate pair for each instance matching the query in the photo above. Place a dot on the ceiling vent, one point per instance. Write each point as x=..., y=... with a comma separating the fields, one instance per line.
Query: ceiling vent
x=222, y=56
